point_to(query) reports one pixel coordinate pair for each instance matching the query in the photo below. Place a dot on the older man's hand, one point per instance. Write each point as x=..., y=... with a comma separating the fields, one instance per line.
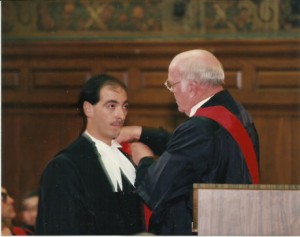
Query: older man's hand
x=140, y=150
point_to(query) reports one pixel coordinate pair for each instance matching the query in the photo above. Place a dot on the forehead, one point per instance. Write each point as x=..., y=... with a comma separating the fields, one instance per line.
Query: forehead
x=3, y=190
x=112, y=92
x=31, y=200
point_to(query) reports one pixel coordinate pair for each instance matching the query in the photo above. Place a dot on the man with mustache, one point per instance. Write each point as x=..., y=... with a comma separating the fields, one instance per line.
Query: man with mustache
x=88, y=188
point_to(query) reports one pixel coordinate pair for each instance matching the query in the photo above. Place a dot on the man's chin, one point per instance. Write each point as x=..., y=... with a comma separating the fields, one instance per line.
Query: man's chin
x=116, y=134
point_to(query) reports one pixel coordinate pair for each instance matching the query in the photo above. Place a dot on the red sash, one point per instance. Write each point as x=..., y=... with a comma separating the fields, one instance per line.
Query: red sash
x=227, y=120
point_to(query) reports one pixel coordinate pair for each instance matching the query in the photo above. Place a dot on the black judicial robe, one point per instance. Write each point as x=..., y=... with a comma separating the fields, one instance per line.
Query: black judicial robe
x=76, y=197
x=198, y=151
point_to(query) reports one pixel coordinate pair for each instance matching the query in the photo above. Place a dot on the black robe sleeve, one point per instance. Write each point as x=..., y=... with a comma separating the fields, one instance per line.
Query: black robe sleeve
x=155, y=138
x=62, y=209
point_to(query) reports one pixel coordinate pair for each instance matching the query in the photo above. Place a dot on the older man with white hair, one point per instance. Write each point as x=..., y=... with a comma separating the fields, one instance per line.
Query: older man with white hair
x=218, y=143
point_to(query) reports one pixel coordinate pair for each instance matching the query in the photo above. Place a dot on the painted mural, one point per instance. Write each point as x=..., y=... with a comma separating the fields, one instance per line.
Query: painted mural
x=149, y=19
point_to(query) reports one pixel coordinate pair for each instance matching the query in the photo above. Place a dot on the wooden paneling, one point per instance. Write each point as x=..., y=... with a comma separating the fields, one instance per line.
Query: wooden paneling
x=275, y=134
x=31, y=137
x=57, y=79
x=295, y=157
x=10, y=79
x=41, y=83
x=234, y=79
x=288, y=79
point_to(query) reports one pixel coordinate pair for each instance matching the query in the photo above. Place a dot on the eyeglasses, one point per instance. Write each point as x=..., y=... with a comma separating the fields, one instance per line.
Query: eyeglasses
x=170, y=86
x=4, y=196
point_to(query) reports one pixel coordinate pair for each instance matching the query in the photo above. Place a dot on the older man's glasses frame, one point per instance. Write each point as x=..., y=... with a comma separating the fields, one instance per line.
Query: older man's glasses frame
x=170, y=86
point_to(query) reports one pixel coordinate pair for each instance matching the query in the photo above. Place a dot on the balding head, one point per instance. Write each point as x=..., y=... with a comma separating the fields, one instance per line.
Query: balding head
x=194, y=76
x=197, y=65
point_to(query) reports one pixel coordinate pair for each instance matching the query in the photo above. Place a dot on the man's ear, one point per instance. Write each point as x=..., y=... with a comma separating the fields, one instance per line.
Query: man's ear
x=192, y=89
x=88, y=109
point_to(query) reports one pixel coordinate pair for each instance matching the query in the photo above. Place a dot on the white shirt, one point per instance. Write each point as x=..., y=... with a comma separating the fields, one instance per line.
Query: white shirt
x=114, y=162
x=197, y=106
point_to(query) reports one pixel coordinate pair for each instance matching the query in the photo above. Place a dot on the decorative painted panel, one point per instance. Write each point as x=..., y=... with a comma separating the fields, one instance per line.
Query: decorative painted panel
x=150, y=19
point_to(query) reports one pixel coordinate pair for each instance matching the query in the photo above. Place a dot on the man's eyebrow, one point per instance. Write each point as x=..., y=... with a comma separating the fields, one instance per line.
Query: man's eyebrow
x=111, y=101
x=115, y=102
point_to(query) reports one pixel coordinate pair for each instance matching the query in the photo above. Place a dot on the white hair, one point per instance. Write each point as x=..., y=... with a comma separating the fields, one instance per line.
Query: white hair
x=213, y=76
x=200, y=66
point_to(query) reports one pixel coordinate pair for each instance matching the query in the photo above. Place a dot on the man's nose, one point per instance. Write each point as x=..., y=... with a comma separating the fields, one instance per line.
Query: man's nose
x=121, y=113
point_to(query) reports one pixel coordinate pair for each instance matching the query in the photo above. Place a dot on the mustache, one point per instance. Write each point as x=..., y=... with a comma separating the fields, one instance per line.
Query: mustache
x=119, y=122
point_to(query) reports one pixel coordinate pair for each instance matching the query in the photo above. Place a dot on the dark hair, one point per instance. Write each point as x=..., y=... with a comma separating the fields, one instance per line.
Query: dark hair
x=90, y=90
x=28, y=195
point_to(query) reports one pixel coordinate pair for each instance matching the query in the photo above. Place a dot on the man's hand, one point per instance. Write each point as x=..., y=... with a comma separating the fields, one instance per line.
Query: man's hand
x=140, y=150
x=129, y=134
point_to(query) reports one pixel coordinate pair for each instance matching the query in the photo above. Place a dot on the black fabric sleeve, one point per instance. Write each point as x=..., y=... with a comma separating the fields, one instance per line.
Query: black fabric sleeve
x=155, y=138
x=62, y=209
x=142, y=168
